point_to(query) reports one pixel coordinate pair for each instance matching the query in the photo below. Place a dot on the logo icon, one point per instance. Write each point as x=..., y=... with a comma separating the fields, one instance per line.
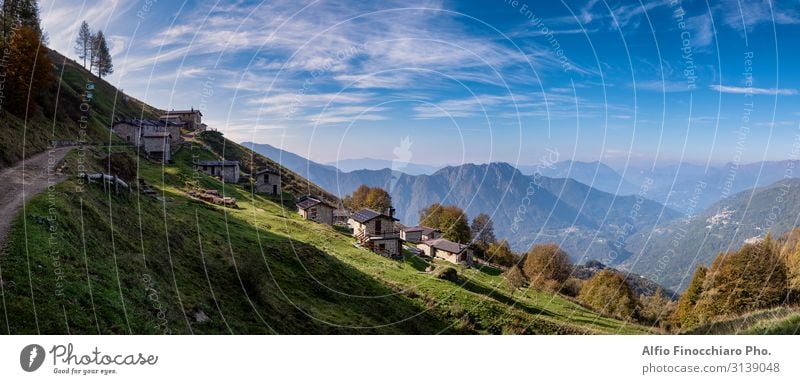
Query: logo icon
x=31, y=357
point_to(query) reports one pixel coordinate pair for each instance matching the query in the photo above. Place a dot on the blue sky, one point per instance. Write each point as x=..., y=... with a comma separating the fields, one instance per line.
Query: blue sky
x=467, y=81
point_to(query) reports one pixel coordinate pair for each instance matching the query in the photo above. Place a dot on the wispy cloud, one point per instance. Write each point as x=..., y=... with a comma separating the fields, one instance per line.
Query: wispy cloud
x=754, y=91
x=748, y=15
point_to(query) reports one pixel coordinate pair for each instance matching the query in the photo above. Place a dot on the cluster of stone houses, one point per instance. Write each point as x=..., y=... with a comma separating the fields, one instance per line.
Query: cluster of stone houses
x=158, y=138
x=381, y=233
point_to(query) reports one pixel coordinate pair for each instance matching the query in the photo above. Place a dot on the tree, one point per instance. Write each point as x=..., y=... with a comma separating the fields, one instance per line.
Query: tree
x=83, y=43
x=102, y=57
x=684, y=315
x=656, y=309
x=482, y=230
x=449, y=219
x=29, y=71
x=752, y=278
x=17, y=14
x=547, y=266
x=609, y=293
x=501, y=253
x=368, y=197
x=378, y=199
x=514, y=279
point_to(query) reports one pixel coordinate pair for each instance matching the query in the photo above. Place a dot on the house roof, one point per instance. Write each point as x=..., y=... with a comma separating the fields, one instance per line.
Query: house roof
x=218, y=163
x=420, y=228
x=308, y=202
x=271, y=171
x=367, y=214
x=446, y=245
x=183, y=112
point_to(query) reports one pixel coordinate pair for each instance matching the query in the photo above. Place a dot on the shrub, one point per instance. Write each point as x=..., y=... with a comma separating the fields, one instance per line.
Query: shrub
x=546, y=266
x=446, y=273
x=514, y=278
x=572, y=287
x=609, y=293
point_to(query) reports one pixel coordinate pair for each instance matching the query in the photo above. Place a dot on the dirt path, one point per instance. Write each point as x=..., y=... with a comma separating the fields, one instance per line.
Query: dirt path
x=23, y=180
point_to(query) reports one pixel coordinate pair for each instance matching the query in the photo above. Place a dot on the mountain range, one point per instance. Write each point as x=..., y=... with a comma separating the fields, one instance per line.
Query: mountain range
x=629, y=219
x=525, y=209
x=669, y=253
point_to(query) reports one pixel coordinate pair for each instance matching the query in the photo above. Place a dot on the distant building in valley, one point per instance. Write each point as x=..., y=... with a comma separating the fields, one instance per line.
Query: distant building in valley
x=314, y=209
x=227, y=170
x=376, y=231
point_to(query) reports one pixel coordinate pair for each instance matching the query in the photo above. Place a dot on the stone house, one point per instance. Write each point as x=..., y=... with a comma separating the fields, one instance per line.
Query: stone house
x=376, y=231
x=133, y=131
x=314, y=209
x=268, y=181
x=157, y=146
x=227, y=170
x=419, y=234
x=193, y=118
x=445, y=249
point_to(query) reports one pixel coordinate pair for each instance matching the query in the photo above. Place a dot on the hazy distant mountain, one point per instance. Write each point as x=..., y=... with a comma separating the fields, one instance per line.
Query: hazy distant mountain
x=690, y=188
x=669, y=253
x=584, y=220
x=349, y=165
x=587, y=222
x=594, y=174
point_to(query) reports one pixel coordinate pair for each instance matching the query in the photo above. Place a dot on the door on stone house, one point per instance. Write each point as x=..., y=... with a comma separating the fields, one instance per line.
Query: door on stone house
x=274, y=189
x=377, y=226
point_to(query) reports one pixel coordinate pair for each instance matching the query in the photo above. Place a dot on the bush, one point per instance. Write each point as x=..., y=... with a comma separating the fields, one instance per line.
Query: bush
x=514, y=278
x=753, y=278
x=547, y=266
x=572, y=287
x=609, y=293
x=446, y=273
x=122, y=165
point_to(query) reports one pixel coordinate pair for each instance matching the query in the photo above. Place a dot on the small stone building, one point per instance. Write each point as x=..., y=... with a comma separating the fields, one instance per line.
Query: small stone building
x=419, y=234
x=133, y=131
x=157, y=146
x=268, y=181
x=311, y=208
x=376, y=231
x=193, y=118
x=227, y=170
x=445, y=249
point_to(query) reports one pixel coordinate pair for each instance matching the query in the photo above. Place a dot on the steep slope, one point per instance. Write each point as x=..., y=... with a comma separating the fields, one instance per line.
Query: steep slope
x=62, y=109
x=111, y=263
x=670, y=253
x=84, y=259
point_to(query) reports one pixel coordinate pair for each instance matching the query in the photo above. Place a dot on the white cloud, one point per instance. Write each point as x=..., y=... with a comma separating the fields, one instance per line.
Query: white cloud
x=755, y=91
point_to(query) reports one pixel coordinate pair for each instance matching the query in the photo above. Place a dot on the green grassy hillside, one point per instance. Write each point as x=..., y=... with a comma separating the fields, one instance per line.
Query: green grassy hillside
x=776, y=321
x=59, y=113
x=122, y=264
